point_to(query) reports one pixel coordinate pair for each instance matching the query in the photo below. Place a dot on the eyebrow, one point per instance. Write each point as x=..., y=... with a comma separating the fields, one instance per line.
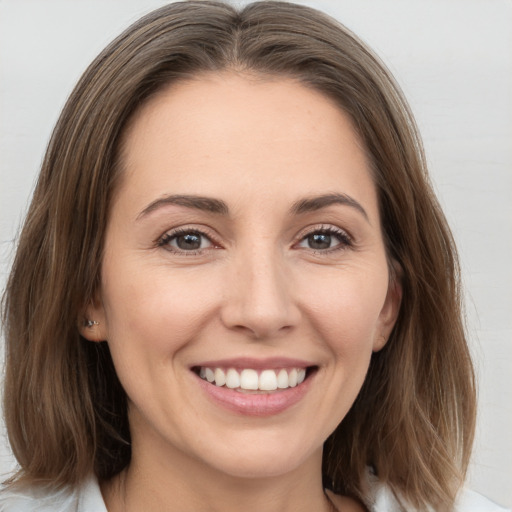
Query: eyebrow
x=311, y=204
x=219, y=207
x=206, y=204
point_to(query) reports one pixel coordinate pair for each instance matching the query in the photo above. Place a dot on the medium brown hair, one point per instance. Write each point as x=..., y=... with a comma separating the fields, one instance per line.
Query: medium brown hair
x=65, y=409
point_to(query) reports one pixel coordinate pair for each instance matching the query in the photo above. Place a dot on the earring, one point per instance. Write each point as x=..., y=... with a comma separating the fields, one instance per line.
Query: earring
x=90, y=323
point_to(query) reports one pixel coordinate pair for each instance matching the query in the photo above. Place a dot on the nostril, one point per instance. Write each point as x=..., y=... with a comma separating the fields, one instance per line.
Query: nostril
x=260, y=309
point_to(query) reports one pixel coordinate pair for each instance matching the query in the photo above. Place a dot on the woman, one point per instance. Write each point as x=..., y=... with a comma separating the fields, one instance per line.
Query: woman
x=233, y=282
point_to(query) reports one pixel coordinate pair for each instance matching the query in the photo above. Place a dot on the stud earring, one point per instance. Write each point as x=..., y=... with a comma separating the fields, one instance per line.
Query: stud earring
x=90, y=323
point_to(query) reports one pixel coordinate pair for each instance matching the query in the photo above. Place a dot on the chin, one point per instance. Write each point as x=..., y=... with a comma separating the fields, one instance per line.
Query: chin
x=259, y=458
x=268, y=467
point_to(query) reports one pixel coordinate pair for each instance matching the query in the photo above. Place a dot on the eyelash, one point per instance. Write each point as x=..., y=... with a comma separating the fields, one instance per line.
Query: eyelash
x=344, y=239
x=165, y=240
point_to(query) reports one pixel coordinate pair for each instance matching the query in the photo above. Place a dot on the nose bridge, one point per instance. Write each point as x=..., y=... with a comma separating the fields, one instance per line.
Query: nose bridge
x=260, y=299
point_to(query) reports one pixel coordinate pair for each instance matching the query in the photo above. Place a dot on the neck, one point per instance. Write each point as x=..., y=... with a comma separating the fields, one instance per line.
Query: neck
x=187, y=485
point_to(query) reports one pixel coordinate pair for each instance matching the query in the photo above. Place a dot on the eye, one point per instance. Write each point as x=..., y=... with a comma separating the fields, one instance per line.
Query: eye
x=325, y=239
x=185, y=241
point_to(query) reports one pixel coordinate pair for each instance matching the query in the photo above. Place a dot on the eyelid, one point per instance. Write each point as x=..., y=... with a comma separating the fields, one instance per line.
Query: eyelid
x=346, y=242
x=201, y=230
x=346, y=239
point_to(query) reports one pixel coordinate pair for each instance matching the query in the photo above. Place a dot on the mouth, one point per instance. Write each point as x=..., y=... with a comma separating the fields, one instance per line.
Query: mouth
x=254, y=381
x=255, y=387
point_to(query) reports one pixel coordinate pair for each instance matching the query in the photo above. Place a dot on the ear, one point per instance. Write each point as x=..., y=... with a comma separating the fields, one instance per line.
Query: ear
x=390, y=309
x=93, y=323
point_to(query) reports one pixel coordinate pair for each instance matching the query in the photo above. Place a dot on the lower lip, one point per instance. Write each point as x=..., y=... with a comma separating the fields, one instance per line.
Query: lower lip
x=261, y=404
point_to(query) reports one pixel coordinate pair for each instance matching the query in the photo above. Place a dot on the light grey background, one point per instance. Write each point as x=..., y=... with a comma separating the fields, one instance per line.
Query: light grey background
x=453, y=59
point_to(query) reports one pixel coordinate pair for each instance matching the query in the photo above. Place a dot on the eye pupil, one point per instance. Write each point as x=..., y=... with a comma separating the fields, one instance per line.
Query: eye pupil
x=189, y=241
x=319, y=241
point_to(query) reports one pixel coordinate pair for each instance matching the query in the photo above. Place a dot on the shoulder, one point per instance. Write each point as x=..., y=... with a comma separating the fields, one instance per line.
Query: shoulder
x=471, y=501
x=86, y=498
x=383, y=500
x=40, y=499
x=344, y=503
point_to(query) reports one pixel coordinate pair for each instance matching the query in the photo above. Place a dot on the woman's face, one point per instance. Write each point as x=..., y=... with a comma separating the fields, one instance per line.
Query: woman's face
x=244, y=245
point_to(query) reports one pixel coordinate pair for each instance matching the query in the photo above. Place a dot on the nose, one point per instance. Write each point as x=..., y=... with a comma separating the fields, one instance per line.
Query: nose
x=259, y=296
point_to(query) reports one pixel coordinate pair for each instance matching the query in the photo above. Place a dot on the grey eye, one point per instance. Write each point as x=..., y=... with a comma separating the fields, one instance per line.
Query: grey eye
x=319, y=241
x=189, y=241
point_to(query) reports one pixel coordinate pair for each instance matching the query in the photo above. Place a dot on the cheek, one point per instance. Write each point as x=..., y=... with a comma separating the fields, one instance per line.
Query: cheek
x=345, y=307
x=159, y=310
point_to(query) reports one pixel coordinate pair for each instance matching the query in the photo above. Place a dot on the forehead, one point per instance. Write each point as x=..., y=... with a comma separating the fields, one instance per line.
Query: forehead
x=218, y=130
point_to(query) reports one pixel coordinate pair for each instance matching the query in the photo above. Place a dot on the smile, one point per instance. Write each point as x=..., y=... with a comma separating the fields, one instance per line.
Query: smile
x=255, y=387
x=249, y=379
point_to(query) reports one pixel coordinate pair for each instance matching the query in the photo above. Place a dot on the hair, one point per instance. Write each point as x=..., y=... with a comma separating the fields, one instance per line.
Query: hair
x=66, y=412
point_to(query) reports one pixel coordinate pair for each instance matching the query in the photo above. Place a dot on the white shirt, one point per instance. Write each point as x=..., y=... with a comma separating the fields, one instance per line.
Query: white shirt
x=88, y=498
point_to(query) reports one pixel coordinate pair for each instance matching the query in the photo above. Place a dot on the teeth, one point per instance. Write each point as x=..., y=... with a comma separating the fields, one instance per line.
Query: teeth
x=292, y=378
x=268, y=380
x=232, y=379
x=210, y=376
x=249, y=379
x=282, y=379
x=220, y=377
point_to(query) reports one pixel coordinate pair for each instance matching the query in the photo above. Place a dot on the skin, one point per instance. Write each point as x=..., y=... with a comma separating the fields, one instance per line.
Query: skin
x=256, y=288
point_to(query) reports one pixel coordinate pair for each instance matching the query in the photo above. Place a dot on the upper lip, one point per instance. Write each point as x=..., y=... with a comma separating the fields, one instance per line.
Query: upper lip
x=255, y=363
